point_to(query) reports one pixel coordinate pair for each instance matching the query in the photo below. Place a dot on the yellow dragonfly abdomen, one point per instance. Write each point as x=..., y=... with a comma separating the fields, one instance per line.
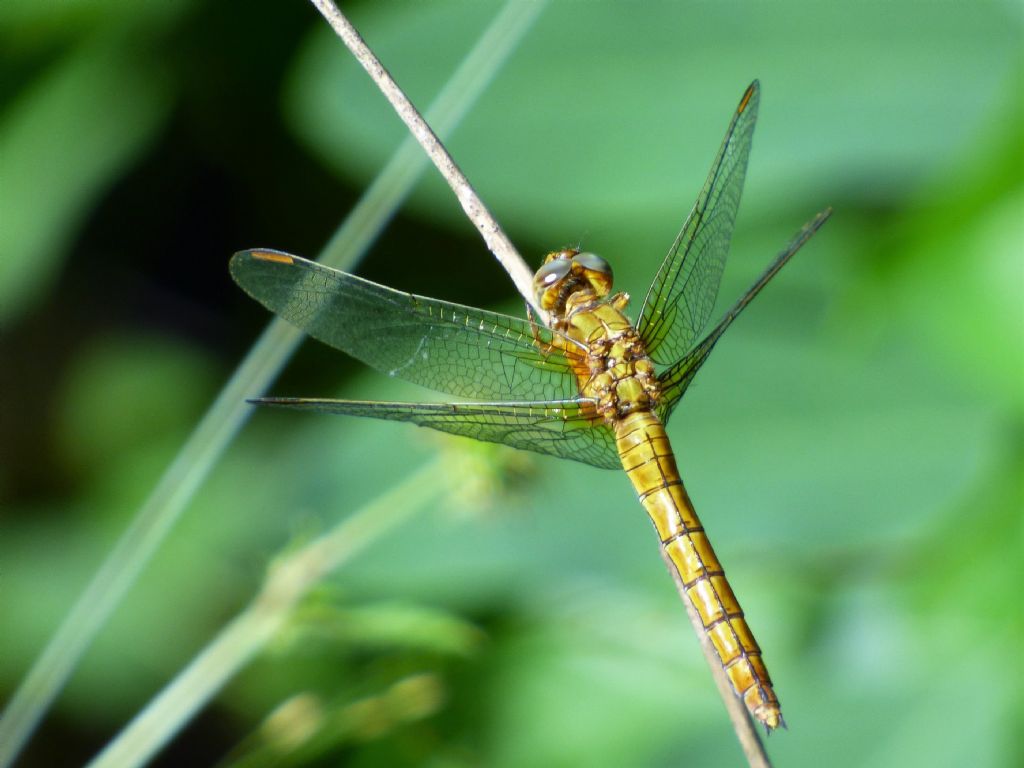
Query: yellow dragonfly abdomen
x=648, y=460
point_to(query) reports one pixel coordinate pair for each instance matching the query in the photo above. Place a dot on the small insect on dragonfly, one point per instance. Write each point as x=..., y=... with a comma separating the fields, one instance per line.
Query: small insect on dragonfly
x=589, y=386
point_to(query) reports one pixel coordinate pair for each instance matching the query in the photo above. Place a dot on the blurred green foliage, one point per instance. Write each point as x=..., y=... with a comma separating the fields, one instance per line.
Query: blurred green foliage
x=854, y=445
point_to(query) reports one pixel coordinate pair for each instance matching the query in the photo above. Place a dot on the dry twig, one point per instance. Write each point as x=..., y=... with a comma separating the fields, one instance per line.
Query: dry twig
x=494, y=236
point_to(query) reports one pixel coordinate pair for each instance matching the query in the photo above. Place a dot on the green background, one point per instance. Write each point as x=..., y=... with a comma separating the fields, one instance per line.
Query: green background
x=855, y=445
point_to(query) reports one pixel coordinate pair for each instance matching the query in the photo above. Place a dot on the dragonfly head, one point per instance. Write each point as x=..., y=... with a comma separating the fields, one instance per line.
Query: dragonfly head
x=567, y=272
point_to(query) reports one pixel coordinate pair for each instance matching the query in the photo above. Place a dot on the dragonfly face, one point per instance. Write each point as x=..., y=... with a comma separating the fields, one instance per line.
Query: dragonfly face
x=569, y=272
x=586, y=387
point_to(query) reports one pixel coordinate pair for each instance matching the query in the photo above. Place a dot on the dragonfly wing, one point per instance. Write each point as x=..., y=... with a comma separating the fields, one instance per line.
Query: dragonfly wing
x=560, y=428
x=450, y=348
x=683, y=293
x=676, y=379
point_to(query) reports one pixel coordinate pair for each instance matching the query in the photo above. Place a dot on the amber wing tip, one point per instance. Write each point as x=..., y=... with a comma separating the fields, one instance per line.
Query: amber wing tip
x=263, y=254
x=752, y=89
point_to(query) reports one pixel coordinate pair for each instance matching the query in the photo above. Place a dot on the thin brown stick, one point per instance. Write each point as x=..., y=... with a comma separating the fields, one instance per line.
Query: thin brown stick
x=494, y=236
x=499, y=244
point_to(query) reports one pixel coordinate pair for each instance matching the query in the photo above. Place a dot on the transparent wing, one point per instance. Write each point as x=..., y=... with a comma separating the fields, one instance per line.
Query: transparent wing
x=560, y=428
x=683, y=293
x=676, y=379
x=450, y=348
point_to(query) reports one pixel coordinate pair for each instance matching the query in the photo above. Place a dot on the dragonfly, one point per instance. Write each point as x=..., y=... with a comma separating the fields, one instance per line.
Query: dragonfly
x=587, y=385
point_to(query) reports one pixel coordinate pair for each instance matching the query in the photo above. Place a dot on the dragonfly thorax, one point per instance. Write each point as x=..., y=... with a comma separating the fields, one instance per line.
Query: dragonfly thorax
x=614, y=371
x=619, y=374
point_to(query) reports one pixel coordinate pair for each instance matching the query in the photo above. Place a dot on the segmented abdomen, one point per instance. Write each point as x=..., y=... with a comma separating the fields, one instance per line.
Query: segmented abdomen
x=648, y=460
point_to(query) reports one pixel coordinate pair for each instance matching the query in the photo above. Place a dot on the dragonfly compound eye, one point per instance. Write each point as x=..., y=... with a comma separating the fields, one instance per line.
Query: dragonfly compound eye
x=593, y=262
x=551, y=273
x=597, y=271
